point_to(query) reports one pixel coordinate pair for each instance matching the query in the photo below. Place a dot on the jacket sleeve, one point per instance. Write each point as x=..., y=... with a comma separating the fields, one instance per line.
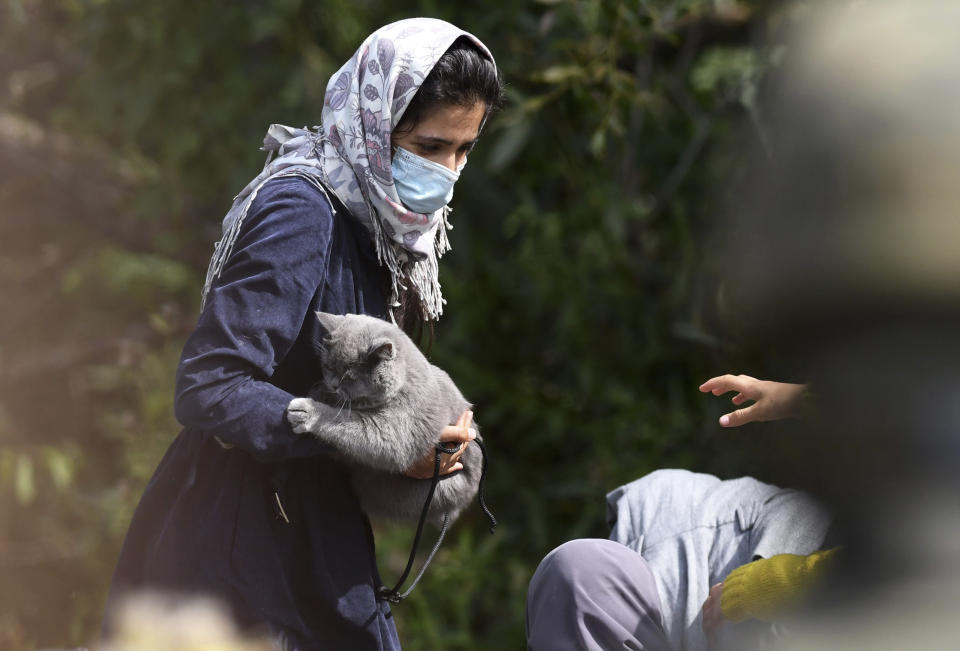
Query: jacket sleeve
x=252, y=317
x=770, y=587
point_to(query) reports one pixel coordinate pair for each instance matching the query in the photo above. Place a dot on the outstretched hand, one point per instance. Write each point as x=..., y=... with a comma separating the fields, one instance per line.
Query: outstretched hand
x=461, y=433
x=771, y=400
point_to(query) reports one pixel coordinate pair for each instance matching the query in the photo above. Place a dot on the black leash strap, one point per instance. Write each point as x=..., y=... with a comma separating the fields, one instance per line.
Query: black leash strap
x=480, y=493
x=393, y=595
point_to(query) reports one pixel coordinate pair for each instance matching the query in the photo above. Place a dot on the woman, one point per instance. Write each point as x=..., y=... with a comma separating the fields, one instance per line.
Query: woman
x=350, y=218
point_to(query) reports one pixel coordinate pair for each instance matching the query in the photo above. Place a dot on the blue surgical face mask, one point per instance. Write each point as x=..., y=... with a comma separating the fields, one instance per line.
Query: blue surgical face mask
x=422, y=185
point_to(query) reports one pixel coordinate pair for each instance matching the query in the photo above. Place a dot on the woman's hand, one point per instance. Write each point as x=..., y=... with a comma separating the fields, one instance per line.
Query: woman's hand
x=452, y=434
x=772, y=400
x=712, y=614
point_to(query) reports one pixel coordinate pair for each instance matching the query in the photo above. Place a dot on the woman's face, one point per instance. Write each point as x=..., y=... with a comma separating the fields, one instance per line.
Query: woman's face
x=445, y=136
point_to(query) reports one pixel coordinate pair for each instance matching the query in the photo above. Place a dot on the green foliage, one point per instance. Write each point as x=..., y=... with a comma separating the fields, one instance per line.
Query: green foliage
x=19, y=469
x=580, y=301
x=110, y=275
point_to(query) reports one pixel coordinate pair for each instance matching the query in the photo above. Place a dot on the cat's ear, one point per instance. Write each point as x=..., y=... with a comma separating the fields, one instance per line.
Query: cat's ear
x=329, y=321
x=382, y=348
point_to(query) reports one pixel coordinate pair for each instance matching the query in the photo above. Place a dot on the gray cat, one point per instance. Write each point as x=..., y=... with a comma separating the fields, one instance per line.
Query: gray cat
x=382, y=405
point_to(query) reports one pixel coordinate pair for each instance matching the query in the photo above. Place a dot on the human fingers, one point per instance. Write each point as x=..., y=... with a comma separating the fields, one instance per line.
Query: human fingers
x=739, y=399
x=707, y=619
x=450, y=468
x=423, y=469
x=460, y=434
x=450, y=458
x=706, y=616
x=710, y=622
x=712, y=613
x=726, y=383
x=712, y=383
x=465, y=419
x=453, y=433
x=451, y=462
x=740, y=416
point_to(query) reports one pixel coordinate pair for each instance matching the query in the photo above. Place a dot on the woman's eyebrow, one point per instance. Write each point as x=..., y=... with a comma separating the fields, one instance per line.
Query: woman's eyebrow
x=437, y=140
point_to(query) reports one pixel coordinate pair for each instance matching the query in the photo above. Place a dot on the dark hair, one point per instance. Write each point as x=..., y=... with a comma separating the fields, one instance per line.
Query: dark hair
x=463, y=76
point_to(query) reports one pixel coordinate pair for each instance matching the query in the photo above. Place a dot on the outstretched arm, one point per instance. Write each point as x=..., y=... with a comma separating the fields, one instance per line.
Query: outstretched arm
x=771, y=400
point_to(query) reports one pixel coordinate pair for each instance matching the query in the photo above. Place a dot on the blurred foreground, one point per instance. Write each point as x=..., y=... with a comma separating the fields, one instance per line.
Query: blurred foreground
x=852, y=270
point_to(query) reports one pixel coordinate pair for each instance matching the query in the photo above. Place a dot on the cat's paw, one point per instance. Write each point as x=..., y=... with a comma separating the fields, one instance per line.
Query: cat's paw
x=303, y=415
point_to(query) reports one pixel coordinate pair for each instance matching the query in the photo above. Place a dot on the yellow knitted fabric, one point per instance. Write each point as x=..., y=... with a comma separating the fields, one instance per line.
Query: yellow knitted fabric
x=768, y=587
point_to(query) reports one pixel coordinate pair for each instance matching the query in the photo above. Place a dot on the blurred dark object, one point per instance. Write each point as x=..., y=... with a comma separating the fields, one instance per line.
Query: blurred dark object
x=849, y=265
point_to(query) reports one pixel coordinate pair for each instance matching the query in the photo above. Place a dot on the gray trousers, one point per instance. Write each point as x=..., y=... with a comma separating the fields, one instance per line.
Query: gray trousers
x=593, y=595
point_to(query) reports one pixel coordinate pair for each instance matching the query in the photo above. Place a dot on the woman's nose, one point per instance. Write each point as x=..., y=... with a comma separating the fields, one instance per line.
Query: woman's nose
x=451, y=161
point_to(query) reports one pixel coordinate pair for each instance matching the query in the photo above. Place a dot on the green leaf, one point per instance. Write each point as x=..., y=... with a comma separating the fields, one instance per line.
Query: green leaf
x=598, y=141
x=723, y=66
x=24, y=486
x=60, y=466
x=129, y=276
x=559, y=74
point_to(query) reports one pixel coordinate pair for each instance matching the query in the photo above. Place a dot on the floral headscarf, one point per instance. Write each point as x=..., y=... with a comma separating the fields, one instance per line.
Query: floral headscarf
x=350, y=153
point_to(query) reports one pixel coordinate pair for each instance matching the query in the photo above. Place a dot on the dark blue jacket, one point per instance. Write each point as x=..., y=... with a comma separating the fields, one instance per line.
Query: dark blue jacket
x=241, y=508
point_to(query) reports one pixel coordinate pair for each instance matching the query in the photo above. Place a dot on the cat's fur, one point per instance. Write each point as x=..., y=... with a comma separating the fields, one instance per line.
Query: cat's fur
x=382, y=405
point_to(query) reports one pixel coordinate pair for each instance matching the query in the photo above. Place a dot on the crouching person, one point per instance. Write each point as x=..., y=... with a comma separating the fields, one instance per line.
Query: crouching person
x=658, y=583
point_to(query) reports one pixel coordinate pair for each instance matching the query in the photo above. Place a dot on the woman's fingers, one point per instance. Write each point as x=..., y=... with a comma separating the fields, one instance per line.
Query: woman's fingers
x=424, y=468
x=446, y=470
x=448, y=459
x=451, y=462
x=454, y=434
x=462, y=431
